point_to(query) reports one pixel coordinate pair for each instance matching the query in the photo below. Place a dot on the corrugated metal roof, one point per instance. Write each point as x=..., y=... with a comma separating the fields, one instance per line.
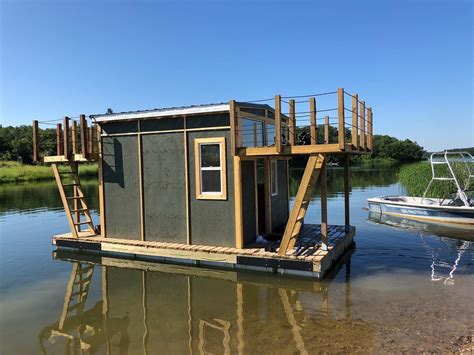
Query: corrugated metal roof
x=160, y=112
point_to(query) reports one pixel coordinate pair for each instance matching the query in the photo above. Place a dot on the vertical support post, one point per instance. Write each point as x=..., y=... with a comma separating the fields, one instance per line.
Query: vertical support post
x=267, y=196
x=324, y=207
x=312, y=123
x=239, y=237
x=355, y=121
x=340, y=115
x=326, y=130
x=292, y=121
x=35, y=141
x=74, y=137
x=233, y=128
x=90, y=141
x=255, y=135
x=83, y=124
x=369, y=129
x=346, y=191
x=140, y=182
x=67, y=151
x=278, y=123
x=59, y=145
x=362, y=125
x=101, y=180
x=186, y=181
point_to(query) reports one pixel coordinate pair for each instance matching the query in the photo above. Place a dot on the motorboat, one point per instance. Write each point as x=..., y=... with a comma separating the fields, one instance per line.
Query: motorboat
x=457, y=208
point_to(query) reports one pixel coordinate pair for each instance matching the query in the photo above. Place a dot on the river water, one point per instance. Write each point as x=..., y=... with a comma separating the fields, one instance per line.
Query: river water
x=404, y=287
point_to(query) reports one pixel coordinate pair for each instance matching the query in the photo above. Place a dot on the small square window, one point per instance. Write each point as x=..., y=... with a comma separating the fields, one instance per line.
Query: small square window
x=274, y=177
x=210, y=168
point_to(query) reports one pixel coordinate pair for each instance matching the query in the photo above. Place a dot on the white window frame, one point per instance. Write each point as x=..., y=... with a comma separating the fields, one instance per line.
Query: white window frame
x=274, y=163
x=218, y=195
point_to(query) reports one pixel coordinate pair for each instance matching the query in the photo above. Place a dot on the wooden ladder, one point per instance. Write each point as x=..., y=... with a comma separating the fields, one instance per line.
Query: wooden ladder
x=77, y=197
x=303, y=197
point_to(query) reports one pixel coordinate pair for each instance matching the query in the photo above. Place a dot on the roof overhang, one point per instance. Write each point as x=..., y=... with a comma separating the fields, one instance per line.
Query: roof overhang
x=161, y=113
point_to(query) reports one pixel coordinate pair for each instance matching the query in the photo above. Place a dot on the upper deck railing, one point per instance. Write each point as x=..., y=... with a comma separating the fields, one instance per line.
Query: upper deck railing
x=75, y=141
x=304, y=124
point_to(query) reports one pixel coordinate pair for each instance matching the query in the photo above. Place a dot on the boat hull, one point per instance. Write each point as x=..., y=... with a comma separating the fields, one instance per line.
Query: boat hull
x=423, y=212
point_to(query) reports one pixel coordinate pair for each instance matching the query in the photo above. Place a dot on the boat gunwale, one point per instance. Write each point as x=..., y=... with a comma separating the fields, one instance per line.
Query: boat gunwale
x=380, y=200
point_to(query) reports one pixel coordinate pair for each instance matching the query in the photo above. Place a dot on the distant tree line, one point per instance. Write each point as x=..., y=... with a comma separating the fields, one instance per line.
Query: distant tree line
x=16, y=143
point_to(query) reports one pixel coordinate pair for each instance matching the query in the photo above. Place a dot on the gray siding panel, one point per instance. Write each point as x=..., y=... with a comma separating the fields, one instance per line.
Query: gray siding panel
x=208, y=120
x=280, y=201
x=164, y=188
x=120, y=127
x=212, y=222
x=162, y=124
x=248, y=201
x=121, y=187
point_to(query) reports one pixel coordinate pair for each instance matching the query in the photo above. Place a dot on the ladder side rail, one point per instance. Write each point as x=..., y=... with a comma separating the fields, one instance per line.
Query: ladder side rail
x=59, y=183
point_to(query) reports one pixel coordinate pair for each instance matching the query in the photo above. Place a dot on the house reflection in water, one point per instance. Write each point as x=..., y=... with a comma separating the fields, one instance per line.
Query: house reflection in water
x=150, y=308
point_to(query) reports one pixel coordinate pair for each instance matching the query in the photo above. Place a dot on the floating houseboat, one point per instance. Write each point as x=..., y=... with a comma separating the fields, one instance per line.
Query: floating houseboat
x=201, y=185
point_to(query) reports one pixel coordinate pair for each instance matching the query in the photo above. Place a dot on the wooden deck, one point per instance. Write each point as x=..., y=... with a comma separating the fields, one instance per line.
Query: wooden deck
x=306, y=259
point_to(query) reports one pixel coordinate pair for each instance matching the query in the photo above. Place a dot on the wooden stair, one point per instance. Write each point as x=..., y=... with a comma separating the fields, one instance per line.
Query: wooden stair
x=303, y=197
x=76, y=196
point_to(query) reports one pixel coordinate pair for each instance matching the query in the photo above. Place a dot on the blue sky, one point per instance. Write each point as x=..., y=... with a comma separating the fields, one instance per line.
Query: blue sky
x=412, y=61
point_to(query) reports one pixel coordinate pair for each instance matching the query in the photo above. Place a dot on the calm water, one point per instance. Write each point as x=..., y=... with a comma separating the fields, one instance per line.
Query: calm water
x=404, y=287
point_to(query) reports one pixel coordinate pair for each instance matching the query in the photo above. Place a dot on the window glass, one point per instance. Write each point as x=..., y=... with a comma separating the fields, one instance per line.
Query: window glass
x=211, y=181
x=210, y=155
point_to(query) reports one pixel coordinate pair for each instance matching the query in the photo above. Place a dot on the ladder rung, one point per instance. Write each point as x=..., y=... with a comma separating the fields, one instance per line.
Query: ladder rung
x=79, y=210
x=66, y=172
x=75, y=197
x=83, y=222
x=65, y=185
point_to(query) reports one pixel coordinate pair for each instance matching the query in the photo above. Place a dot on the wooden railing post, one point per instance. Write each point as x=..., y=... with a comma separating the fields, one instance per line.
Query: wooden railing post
x=59, y=143
x=340, y=115
x=278, y=123
x=312, y=121
x=355, y=121
x=83, y=127
x=67, y=151
x=35, y=141
x=233, y=128
x=369, y=129
x=362, y=125
x=90, y=141
x=292, y=121
x=74, y=137
x=326, y=130
x=346, y=190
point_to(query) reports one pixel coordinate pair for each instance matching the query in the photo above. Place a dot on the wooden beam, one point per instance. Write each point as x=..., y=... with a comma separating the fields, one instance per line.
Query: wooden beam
x=355, y=121
x=257, y=232
x=362, y=125
x=35, y=141
x=267, y=196
x=239, y=236
x=346, y=190
x=140, y=182
x=369, y=129
x=340, y=115
x=83, y=127
x=59, y=143
x=278, y=144
x=67, y=151
x=101, y=180
x=312, y=120
x=233, y=128
x=74, y=137
x=326, y=130
x=186, y=181
x=255, y=135
x=292, y=121
x=324, y=207
x=90, y=141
